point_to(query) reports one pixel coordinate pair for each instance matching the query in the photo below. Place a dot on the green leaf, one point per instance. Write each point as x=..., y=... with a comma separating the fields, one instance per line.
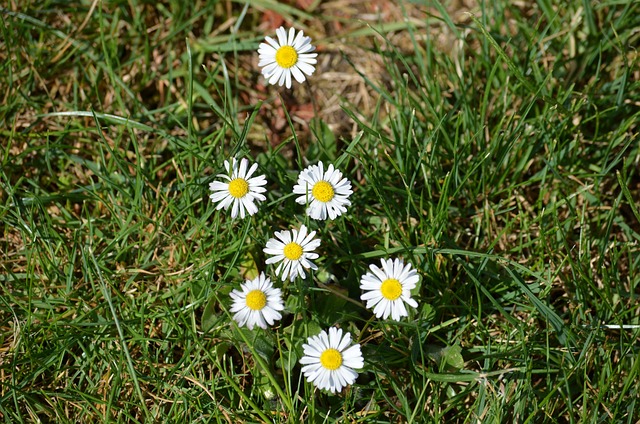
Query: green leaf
x=287, y=360
x=264, y=346
x=249, y=267
x=209, y=316
x=219, y=349
x=452, y=356
x=628, y=196
x=330, y=306
x=427, y=313
x=291, y=304
x=326, y=148
x=447, y=356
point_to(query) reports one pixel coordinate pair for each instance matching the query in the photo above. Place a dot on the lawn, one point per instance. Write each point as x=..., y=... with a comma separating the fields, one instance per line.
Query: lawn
x=491, y=146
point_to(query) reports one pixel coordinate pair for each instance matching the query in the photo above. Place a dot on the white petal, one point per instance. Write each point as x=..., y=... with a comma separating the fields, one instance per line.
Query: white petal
x=306, y=68
x=380, y=274
x=292, y=33
x=288, y=78
x=273, y=43
x=298, y=41
x=297, y=74
x=282, y=36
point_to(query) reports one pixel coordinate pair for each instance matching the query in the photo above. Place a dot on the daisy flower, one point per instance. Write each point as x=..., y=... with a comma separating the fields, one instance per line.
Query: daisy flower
x=294, y=250
x=328, y=361
x=240, y=190
x=326, y=192
x=291, y=54
x=257, y=303
x=388, y=289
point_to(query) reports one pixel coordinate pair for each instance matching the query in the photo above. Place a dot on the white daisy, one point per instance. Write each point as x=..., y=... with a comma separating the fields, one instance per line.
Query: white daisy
x=294, y=250
x=240, y=190
x=326, y=193
x=257, y=303
x=328, y=363
x=289, y=55
x=389, y=288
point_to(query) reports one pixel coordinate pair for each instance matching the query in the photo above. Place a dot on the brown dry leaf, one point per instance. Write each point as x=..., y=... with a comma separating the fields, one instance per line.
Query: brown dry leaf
x=304, y=4
x=271, y=20
x=303, y=112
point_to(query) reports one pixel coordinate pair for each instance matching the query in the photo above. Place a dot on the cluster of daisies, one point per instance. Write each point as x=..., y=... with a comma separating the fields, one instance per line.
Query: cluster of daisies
x=330, y=358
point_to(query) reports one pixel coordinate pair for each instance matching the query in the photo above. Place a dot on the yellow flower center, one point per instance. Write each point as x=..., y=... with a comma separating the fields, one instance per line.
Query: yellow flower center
x=238, y=187
x=286, y=57
x=256, y=300
x=331, y=359
x=323, y=191
x=293, y=251
x=391, y=289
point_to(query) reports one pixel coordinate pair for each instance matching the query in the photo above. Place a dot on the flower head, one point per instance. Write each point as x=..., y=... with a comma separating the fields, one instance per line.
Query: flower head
x=326, y=192
x=257, y=303
x=240, y=190
x=329, y=362
x=291, y=54
x=388, y=289
x=294, y=250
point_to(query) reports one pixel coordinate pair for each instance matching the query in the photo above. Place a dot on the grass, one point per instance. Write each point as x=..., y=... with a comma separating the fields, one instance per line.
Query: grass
x=496, y=151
